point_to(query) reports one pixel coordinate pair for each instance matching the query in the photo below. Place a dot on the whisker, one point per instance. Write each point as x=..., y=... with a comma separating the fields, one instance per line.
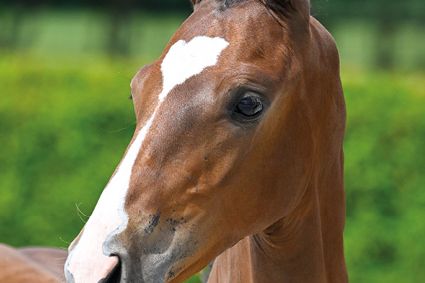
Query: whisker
x=80, y=213
x=65, y=242
x=122, y=129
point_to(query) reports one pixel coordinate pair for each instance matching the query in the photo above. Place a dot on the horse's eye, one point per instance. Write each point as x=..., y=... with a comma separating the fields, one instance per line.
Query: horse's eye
x=249, y=107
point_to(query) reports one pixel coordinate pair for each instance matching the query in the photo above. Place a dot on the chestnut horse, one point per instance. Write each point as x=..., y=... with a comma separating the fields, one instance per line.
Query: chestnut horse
x=236, y=157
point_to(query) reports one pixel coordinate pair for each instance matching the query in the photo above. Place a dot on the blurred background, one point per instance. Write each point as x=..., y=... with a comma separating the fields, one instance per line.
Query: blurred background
x=65, y=118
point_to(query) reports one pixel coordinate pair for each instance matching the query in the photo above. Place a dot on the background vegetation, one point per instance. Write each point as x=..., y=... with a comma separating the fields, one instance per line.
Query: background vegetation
x=65, y=119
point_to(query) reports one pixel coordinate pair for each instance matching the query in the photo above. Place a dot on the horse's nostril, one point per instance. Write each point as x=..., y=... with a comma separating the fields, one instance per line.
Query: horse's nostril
x=114, y=276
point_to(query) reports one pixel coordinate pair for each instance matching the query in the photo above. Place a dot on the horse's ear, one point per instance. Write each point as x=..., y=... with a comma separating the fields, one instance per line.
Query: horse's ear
x=290, y=8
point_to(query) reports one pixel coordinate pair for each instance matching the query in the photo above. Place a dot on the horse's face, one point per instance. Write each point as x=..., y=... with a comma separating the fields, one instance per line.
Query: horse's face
x=218, y=119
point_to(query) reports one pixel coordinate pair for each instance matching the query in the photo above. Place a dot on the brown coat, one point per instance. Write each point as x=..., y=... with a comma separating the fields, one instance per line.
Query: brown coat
x=31, y=265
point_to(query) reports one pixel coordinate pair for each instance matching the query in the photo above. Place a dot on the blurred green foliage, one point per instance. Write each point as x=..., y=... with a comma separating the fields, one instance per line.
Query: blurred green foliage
x=364, y=42
x=65, y=121
x=385, y=180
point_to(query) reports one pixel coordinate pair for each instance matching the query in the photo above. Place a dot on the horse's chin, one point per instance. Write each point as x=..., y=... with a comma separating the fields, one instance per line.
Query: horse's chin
x=166, y=271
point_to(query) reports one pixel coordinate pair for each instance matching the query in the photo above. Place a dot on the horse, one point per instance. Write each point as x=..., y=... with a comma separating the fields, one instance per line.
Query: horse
x=237, y=156
x=35, y=265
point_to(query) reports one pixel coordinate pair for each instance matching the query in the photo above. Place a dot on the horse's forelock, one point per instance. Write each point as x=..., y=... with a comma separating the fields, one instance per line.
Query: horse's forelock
x=278, y=6
x=230, y=3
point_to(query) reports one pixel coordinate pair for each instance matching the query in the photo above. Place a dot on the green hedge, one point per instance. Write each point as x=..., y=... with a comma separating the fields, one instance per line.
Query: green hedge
x=385, y=180
x=64, y=127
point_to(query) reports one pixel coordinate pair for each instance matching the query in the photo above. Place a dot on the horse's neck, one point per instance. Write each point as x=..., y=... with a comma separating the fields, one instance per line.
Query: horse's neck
x=307, y=247
x=282, y=258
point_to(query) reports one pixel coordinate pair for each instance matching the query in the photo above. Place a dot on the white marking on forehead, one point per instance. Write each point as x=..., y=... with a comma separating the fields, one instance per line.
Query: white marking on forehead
x=87, y=263
x=187, y=59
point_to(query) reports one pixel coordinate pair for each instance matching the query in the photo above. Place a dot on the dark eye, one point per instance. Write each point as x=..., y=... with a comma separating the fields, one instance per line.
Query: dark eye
x=248, y=107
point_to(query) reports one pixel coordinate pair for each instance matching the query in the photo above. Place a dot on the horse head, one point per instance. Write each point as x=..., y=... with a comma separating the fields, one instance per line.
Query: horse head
x=239, y=136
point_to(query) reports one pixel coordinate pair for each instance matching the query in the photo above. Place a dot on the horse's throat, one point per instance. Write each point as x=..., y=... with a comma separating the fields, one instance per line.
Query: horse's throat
x=292, y=250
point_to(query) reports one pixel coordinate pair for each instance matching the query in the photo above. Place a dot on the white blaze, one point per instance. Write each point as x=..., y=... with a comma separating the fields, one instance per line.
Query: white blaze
x=185, y=60
x=87, y=263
